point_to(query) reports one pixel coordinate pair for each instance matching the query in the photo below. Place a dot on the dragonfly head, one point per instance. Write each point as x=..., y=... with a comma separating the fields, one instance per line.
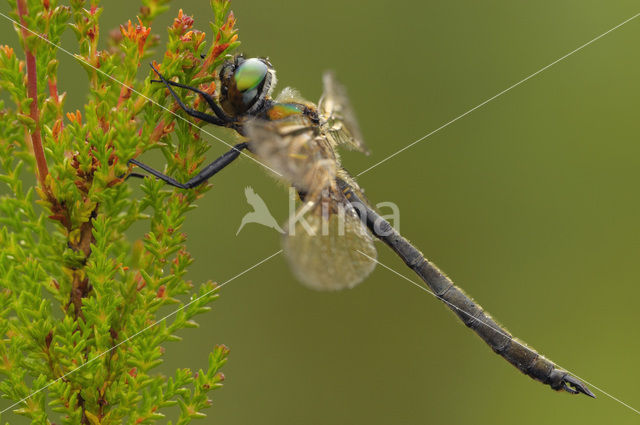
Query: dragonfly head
x=246, y=84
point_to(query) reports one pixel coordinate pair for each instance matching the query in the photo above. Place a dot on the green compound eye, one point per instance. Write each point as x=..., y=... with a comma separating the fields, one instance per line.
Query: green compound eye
x=250, y=74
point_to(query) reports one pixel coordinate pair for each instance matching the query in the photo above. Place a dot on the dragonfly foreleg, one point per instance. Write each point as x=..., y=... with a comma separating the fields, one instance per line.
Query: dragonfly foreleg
x=212, y=119
x=206, y=96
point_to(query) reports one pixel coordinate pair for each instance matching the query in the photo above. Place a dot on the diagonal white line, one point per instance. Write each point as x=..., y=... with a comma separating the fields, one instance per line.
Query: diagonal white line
x=499, y=94
x=133, y=90
x=366, y=170
x=139, y=332
x=497, y=330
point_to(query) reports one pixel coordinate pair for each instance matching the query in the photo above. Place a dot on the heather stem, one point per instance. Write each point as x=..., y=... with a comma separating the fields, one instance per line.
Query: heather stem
x=32, y=89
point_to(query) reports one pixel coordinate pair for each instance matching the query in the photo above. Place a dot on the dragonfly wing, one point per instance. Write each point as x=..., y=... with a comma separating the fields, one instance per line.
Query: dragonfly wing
x=296, y=150
x=325, y=251
x=335, y=108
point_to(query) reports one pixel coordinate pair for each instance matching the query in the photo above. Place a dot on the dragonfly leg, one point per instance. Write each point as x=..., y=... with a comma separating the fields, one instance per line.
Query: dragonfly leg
x=206, y=96
x=205, y=174
x=217, y=119
x=136, y=175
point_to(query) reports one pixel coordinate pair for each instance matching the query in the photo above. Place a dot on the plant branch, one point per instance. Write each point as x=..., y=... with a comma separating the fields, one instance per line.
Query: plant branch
x=110, y=284
x=32, y=89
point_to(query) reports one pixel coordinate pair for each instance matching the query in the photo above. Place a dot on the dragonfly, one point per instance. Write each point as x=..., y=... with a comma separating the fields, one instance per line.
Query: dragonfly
x=329, y=241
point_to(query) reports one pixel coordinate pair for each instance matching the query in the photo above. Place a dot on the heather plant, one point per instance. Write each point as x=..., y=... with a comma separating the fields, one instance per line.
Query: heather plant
x=82, y=302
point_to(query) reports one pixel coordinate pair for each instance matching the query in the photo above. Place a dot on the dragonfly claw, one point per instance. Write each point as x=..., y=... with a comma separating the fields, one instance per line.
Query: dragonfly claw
x=573, y=385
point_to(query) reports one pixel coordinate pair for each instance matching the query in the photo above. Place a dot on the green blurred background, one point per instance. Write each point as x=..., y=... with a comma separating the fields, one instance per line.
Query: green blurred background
x=529, y=204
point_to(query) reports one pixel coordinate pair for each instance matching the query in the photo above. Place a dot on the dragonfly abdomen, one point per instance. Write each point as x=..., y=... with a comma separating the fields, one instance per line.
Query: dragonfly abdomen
x=527, y=360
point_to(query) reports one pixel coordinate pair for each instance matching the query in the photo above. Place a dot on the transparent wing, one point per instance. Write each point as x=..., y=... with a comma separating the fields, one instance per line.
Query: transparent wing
x=335, y=108
x=296, y=150
x=325, y=249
